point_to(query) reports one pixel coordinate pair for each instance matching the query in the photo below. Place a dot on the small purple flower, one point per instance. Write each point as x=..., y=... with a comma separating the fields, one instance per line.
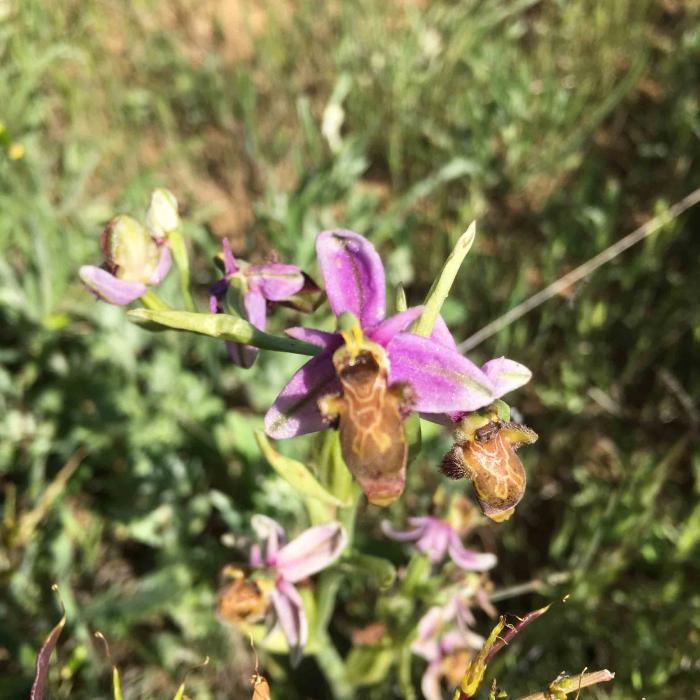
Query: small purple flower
x=258, y=285
x=135, y=259
x=442, y=379
x=313, y=550
x=443, y=637
x=436, y=538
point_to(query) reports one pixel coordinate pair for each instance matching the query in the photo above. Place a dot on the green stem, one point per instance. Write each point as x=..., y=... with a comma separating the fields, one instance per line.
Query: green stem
x=182, y=260
x=223, y=327
x=153, y=302
x=443, y=283
x=333, y=668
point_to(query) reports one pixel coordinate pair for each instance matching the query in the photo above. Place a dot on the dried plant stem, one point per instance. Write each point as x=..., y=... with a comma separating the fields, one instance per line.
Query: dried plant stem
x=572, y=684
x=576, y=275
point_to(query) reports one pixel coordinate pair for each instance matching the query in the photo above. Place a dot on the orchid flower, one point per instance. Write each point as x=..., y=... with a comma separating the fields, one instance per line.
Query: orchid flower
x=258, y=285
x=313, y=550
x=443, y=380
x=353, y=274
x=437, y=538
x=135, y=258
x=431, y=371
x=445, y=641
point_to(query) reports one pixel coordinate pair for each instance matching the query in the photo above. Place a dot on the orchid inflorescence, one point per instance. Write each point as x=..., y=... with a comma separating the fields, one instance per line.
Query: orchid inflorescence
x=364, y=383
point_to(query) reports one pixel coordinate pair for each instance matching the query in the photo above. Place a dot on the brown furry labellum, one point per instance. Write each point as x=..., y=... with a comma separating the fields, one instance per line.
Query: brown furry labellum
x=370, y=414
x=487, y=457
x=242, y=599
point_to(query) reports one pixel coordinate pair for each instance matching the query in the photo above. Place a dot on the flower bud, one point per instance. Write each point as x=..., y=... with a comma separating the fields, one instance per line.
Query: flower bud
x=162, y=216
x=129, y=251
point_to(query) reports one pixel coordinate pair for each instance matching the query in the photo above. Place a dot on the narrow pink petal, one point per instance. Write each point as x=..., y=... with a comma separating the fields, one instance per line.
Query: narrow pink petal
x=165, y=262
x=108, y=287
x=468, y=560
x=427, y=633
x=276, y=281
x=255, y=559
x=430, y=683
x=401, y=535
x=256, y=311
x=295, y=410
x=315, y=549
x=241, y=355
x=353, y=274
x=323, y=339
x=443, y=380
x=271, y=531
x=255, y=307
x=441, y=334
x=230, y=265
x=388, y=328
x=289, y=609
x=506, y=375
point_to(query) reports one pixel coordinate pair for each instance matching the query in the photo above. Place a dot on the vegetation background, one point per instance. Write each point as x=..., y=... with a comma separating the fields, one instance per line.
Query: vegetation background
x=560, y=125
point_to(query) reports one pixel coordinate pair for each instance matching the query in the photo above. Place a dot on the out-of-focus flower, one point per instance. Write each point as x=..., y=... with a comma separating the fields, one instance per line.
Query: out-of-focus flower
x=445, y=641
x=134, y=260
x=485, y=453
x=382, y=352
x=256, y=286
x=437, y=538
x=278, y=567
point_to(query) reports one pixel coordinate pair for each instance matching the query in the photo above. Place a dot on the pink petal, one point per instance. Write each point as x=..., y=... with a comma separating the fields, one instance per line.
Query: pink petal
x=315, y=549
x=430, y=683
x=256, y=311
x=388, y=328
x=272, y=533
x=241, y=355
x=323, y=339
x=165, y=261
x=468, y=560
x=276, y=281
x=110, y=288
x=289, y=609
x=443, y=379
x=441, y=334
x=401, y=535
x=255, y=308
x=506, y=375
x=230, y=265
x=353, y=274
x=295, y=410
x=434, y=541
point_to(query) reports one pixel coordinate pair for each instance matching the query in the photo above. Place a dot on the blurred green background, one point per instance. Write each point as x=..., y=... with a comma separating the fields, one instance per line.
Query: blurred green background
x=559, y=125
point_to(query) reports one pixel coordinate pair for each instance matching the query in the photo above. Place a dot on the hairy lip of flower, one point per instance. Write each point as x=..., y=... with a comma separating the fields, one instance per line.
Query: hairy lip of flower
x=485, y=454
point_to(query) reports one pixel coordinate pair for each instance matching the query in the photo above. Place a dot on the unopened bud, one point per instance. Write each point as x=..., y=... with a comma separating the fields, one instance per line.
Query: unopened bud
x=162, y=216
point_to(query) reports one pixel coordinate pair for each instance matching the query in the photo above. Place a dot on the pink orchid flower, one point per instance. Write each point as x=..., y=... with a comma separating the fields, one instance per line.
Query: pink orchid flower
x=444, y=381
x=258, y=285
x=436, y=538
x=313, y=550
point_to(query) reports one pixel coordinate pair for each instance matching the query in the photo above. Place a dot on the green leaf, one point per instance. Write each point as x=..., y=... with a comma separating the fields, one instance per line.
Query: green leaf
x=368, y=665
x=222, y=326
x=295, y=473
x=502, y=410
x=443, y=283
x=382, y=570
